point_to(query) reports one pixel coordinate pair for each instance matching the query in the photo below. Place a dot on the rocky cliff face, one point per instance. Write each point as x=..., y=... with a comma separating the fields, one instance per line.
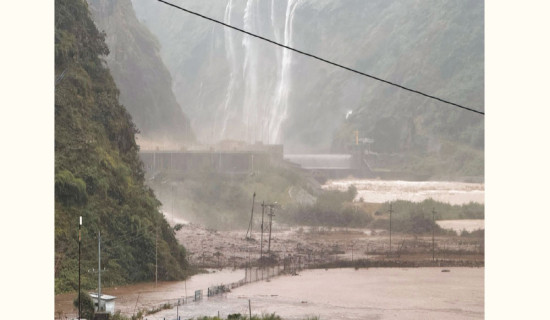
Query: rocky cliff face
x=144, y=82
x=236, y=87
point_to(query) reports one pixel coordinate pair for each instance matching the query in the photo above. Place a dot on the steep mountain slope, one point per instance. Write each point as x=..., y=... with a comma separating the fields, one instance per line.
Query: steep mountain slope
x=237, y=87
x=98, y=174
x=144, y=82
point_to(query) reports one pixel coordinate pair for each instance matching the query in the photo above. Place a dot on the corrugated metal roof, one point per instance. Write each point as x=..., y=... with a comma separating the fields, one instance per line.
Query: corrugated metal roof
x=103, y=296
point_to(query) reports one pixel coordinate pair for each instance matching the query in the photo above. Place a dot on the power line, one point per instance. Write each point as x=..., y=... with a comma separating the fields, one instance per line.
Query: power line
x=321, y=59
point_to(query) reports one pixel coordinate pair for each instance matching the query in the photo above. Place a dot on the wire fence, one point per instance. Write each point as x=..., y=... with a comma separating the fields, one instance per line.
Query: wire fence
x=252, y=275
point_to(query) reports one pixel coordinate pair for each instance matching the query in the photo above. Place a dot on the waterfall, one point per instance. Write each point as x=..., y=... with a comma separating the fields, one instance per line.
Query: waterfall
x=280, y=107
x=230, y=54
x=258, y=106
x=250, y=71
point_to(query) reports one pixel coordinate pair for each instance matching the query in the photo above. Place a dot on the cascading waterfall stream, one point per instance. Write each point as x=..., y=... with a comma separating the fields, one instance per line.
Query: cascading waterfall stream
x=260, y=107
x=231, y=56
x=250, y=71
x=280, y=108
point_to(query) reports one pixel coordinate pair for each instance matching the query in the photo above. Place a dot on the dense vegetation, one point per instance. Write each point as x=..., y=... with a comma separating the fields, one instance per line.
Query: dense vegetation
x=98, y=174
x=416, y=217
x=332, y=208
x=86, y=304
x=223, y=200
x=443, y=211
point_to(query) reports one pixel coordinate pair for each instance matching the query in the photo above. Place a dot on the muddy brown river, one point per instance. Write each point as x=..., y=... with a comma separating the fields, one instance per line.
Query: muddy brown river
x=380, y=191
x=383, y=293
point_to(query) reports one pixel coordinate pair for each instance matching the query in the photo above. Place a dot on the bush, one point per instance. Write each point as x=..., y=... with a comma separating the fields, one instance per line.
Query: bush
x=415, y=223
x=87, y=305
x=332, y=208
x=70, y=190
x=480, y=233
x=444, y=211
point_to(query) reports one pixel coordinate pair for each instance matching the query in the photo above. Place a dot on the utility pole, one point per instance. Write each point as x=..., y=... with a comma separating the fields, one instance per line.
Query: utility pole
x=433, y=234
x=271, y=214
x=156, y=249
x=251, y=215
x=99, y=271
x=79, y=304
x=391, y=211
x=262, y=235
x=172, y=204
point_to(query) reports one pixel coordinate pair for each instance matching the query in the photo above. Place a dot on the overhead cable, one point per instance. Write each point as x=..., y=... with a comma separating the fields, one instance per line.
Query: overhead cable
x=324, y=60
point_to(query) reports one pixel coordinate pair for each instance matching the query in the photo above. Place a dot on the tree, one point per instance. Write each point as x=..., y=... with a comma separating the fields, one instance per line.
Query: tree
x=87, y=305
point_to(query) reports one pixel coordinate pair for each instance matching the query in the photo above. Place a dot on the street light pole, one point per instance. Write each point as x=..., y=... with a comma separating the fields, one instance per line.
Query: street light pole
x=99, y=271
x=391, y=211
x=271, y=214
x=433, y=234
x=156, y=261
x=262, y=234
x=79, y=304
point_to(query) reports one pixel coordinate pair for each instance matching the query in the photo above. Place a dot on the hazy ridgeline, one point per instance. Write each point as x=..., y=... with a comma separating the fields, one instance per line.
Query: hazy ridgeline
x=235, y=87
x=144, y=82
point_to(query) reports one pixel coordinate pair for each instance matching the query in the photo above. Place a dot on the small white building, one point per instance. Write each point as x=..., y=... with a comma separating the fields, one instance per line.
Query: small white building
x=107, y=303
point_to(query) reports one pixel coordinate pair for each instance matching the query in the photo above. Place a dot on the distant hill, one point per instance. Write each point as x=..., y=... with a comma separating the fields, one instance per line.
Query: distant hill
x=236, y=87
x=144, y=82
x=98, y=174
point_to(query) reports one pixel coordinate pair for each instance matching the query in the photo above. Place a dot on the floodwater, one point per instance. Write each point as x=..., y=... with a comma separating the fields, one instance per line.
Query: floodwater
x=380, y=191
x=382, y=293
x=459, y=225
x=147, y=295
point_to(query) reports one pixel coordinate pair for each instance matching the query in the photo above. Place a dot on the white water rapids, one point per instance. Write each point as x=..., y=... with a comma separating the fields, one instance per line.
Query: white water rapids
x=380, y=191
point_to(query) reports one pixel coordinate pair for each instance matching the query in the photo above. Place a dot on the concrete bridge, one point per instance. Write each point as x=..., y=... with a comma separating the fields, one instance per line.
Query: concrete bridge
x=332, y=165
x=241, y=162
x=220, y=161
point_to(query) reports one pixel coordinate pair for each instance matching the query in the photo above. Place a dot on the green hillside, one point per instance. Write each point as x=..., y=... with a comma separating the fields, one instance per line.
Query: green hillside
x=98, y=174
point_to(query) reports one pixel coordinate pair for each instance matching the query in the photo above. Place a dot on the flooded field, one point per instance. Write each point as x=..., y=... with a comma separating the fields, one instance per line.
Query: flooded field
x=375, y=293
x=420, y=293
x=380, y=191
x=459, y=225
x=146, y=295
x=382, y=293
